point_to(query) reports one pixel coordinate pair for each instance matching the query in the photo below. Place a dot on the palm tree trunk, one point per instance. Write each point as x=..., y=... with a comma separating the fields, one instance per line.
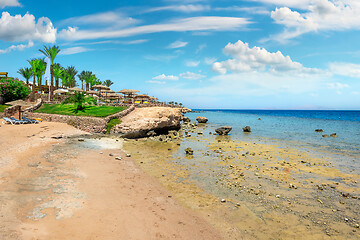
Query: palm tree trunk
x=52, y=82
x=33, y=90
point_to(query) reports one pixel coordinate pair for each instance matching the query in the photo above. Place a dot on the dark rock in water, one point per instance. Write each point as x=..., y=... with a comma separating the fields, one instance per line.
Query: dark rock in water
x=186, y=120
x=81, y=139
x=325, y=136
x=259, y=118
x=318, y=130
x=189, y=151
x=151, y=133
x=247, y=129
x=224, y=130
x=202, y=119
x=333, y=135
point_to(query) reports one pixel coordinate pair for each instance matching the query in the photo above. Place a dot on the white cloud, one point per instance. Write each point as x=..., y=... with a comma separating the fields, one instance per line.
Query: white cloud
x=210, y=61
x=337, y=85
x=200, y=48
x=9, y=3
x=25, y=28
x=250, y=10
x=192, y=63
x=73, y=50
x=19, y=47
x=155, y=82
x=178, y=44
x=345, y=69
x=179, y=25
x=164, y=77
x=190, y=75
x=246, y=59
x=318, y=15
x=113, y=18
x=181, y=8
x=301, y=4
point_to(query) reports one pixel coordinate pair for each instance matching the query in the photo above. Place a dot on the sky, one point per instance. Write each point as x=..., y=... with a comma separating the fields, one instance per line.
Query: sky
x=208, y=54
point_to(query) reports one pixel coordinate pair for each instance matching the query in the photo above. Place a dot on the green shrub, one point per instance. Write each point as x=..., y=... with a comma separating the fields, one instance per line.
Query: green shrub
x=12, y=89
x=112, y=123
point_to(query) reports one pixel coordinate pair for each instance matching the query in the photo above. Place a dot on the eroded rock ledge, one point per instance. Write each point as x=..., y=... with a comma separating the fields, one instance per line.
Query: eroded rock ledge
x=144, y=121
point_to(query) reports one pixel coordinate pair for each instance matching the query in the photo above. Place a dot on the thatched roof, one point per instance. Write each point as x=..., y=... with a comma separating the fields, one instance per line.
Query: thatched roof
x=107, y=91
x=18, y=102
x=128, y=91
x=92, y=92
x=61, y=91
x=144, y=96
x=99, y=87
x=75, y=89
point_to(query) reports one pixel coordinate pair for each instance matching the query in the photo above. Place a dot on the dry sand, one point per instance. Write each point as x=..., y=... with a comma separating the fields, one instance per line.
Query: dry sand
x=51, y=190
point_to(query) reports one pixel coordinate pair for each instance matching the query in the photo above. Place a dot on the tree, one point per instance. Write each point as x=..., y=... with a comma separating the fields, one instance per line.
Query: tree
x=71, y=73
x=108, y=83
x=51, y=53
x=57, y=70
x=88, y=78
x=79, y=99
x=33, y=64
x=40, y=71
x=26, y=73
x=82, y=77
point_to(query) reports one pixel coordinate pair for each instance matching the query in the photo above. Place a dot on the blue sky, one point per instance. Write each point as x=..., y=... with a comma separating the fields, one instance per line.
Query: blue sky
x=254, y=54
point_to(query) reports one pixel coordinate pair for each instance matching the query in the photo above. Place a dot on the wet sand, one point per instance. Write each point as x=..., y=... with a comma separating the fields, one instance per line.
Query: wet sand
x=250, y=190
x=62, y=189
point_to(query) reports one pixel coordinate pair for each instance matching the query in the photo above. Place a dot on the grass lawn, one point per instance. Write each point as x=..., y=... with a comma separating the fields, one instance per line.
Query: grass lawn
x=2, y=107
x=112, y=123
x=69, y=109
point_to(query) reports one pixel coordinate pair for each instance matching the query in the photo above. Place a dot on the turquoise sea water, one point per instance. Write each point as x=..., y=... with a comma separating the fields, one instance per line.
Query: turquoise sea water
x=295, y=129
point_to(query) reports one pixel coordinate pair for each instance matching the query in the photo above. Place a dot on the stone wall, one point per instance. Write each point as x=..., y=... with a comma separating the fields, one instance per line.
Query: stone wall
x=120, y=114
x=88, y=124
x=34, y=107
x=11, y=111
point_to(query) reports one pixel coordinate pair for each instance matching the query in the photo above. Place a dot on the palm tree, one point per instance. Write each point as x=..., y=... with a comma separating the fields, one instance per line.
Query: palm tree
x=88, y=78
x=71, y=72
x=26, y=73
x=108, y=83
x=51, y=53
x=33, y=63
x=82, y=77
x=41, y=68
x=57, y=70
x=64, y=79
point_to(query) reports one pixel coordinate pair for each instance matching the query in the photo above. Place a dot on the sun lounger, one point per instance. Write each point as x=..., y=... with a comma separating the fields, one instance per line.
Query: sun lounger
x=19, y=121
x=30, y=120
x=10, y=121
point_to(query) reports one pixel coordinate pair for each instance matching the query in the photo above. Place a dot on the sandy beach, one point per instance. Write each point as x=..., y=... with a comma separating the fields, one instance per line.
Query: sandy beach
x=50, y=189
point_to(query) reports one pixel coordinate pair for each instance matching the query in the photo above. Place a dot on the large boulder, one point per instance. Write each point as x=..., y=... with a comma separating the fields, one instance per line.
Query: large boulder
x=201, y=119
x=145, y=122
x=186, y=120
x=224, y=130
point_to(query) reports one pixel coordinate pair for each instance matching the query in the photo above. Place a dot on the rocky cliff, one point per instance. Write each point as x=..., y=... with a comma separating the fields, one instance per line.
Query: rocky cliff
x=143, y=122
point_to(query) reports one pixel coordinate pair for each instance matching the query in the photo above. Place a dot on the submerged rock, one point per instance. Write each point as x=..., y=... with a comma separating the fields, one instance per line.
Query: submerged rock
x=189, y=151
x=247, y=129
x=224, y=130
x=325, y=136
x=318, y=130
x=202, y=119
x=334, y=135
x=186, y=120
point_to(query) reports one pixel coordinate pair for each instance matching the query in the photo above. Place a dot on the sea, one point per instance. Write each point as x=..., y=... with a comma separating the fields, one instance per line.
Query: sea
x=295, y=128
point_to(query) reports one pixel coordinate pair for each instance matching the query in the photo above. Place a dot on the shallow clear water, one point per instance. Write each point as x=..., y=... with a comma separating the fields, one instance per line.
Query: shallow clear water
x=295, y=129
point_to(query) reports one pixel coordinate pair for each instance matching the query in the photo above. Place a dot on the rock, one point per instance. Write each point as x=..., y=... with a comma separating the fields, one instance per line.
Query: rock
x=259, y=118
x=151, y=133
x=81, y=139
x=224, y=130
x=186, y=120
x=247, y=129
x=57, y=137
x=202, y=119
x=143, y=120
x=186, y=110
x=118, y=158
x=189, y=151
x=325, y=136
x=318, y=130
x=334, y=135
x=128, y=155
x=110, y=154
x=223, y=200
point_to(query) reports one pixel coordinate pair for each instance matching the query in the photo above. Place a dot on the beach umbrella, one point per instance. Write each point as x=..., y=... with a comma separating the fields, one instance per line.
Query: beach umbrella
x=99, y=87
x=91, y=92
x=75, y=89
x=128, y=91
x=60, y=91
x=20, y=103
